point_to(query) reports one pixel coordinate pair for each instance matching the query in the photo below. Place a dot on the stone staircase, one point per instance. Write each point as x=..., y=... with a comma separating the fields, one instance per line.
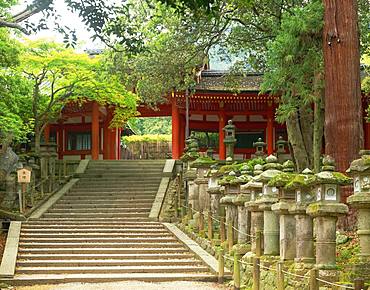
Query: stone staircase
x=100, y=231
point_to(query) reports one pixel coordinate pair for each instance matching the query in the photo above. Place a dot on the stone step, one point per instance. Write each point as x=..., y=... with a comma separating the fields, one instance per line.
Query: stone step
x=105, y=262
x=96, y=215
x=66, y=200
x=142, y=225
x=104, y=206
x=114, y=256
x=119, y=182
x=104, y=250
x=99, y=240
x=124, y=189
x=112, y=269
x=94, y=245
x=107, y=220
x=91, y=230
x=112, y=277
x=134, y=194
x=100, y=210
x=84, y=234
x=113, y=174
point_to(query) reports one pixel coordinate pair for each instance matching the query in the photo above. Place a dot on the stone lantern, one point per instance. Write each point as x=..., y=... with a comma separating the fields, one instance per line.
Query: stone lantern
x=239, y=201
x=281, y=150
x=304, y=185
x=325, y=211
x=269, y=197
x=360, y=171
x=202, y=165
x=282, y=208
x=229, y=139
x=214, y=191
x=255, y=190
x=260, y=148
x=231, y=191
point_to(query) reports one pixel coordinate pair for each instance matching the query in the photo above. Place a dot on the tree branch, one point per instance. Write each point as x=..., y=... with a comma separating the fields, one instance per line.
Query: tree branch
x=8, y=24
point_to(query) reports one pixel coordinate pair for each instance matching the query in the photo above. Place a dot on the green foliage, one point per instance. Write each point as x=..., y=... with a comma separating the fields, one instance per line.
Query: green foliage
x=295, y=61
x=154, y=125
x=146, y=138
x=58, y=76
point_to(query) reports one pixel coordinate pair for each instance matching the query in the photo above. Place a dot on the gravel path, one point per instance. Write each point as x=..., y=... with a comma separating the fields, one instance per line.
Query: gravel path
x=131, y=285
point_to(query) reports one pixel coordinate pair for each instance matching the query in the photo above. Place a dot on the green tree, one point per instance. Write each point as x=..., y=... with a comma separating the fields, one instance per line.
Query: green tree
x=58, y=76
x=294, y=72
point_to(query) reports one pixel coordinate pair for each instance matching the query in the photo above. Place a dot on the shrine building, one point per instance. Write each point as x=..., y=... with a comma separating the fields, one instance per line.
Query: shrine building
x=83, y=131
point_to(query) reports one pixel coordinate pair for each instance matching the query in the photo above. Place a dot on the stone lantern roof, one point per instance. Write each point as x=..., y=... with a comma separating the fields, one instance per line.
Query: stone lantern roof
x=360, y=165
x=203, y=162
x=271, y=169
x=329, y=175
x=306, y=179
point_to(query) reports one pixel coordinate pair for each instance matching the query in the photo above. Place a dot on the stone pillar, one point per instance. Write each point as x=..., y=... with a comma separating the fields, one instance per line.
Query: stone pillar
x=304, y=236
x=360, y=170
x=190, y=176
x=271, y=228
x=203, y=196
x=243, y=218
x=325, y=212
x=287, y=230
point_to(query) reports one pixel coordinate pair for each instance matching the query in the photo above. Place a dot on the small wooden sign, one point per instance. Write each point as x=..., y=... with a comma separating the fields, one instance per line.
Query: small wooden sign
x=24, y=175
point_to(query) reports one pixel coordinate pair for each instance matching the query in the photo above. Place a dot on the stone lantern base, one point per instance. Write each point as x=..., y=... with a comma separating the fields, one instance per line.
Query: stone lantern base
x=361, y=201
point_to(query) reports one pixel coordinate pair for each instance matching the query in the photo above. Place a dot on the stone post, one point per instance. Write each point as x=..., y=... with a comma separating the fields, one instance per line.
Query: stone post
x=240, y=200
x=231, y=191
x=325, y=212
x=360, y=170
x=304, y=195
x=203, y=196
x=282, y=208
x=215, y=191
x=269, y=197
x=193, y=195
x=229, y=139
x=255, y=190
x=52, y=148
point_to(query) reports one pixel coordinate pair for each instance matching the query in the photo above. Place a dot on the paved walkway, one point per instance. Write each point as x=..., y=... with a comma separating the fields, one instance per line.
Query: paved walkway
x=129, y=286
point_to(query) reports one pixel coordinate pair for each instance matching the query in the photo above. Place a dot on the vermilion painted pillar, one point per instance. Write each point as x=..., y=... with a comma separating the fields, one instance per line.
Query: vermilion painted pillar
x=47, y=133
x=182, y=135
x=175, y=130
x=270, y=132
x=95, y=132
x=106, y=135
x=221, y=136
x=119, y=131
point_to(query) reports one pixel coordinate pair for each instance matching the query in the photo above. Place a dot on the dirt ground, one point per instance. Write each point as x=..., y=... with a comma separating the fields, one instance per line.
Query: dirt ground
x=130, y=285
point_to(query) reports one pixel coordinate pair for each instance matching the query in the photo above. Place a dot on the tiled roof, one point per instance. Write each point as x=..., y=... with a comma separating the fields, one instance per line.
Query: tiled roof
x=212, y=80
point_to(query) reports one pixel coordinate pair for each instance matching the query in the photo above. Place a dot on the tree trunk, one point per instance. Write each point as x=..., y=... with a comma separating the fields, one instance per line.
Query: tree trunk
x=306, y=120
x=296, y=141
x=37, y=139
x=343, y=118
x=318, y=131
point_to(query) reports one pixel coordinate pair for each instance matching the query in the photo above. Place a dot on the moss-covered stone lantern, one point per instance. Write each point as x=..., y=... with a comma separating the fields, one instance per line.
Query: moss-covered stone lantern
x=229, y=139
x=325, y=211
x=202, y=165
x=214, y=190
x=269, y=197
x=254, y=188
x=360, y=171
x=303, y=185
x=239, y=201
x=282, y=207
x=260, y=148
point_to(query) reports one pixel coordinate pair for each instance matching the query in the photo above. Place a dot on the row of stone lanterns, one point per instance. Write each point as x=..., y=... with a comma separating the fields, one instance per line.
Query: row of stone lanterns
x=284, y=205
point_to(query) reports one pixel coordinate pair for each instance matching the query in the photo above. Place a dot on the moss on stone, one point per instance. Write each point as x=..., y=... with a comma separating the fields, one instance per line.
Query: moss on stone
x=281, y=179
x=333, y=177
x=226, y=179
x=188, y=156
x=242, y=179
x=301, y=181
x=203, y=161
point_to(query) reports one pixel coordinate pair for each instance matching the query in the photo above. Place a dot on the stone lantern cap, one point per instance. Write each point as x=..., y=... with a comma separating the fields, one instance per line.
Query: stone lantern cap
x=189, y=156
x=361, y=165
x=228, y=178
x=203, y=162
x=213, y=169
x=229, y=132
x=329, y=175
x=306, y=179
x=242, y=179
x=226, y=169
x=281, y=141
x=271, y=169
x=259, y=143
